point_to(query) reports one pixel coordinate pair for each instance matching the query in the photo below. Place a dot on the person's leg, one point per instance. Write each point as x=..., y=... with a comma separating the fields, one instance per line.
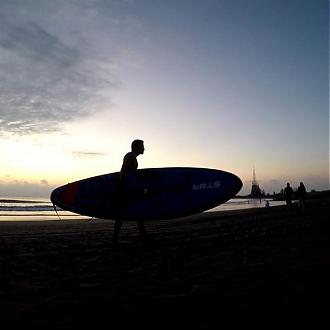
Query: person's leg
x=142, y=229
x=303, y=204
x=146, y=238
x=116, y=231
x=288, y=203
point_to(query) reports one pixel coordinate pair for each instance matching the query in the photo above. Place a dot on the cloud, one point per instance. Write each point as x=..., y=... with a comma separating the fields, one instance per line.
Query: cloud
x=56, y=64
x=88, y=154
x=25, y=189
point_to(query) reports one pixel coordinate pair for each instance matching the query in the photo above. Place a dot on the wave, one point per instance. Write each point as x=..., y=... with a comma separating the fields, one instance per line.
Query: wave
x=20, y=201
x=33, y=208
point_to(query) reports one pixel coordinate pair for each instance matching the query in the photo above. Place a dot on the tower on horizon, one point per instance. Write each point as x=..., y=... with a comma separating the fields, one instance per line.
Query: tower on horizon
x=255, y=189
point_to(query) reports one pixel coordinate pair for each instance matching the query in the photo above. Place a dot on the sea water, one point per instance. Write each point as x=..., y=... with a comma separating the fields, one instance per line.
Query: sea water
x=31, y=208
x=246, y=203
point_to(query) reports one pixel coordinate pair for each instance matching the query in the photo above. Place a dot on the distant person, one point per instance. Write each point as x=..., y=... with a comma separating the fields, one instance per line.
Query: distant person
x=129, y=184
x=301, y=194
x=288, y=193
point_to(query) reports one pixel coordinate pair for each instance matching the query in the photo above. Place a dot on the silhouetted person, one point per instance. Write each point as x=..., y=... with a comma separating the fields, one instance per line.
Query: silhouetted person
x=288, y=192
x=301, y=194
x=129, y=185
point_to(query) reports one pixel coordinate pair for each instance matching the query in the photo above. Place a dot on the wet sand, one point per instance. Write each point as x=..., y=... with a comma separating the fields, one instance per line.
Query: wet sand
x=254, y=267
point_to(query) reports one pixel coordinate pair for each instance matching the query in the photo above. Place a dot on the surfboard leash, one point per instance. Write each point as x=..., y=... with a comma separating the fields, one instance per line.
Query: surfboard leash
x=54, y=206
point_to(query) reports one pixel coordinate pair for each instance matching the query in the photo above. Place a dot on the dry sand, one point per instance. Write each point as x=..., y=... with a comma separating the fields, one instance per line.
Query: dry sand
x=255, y=267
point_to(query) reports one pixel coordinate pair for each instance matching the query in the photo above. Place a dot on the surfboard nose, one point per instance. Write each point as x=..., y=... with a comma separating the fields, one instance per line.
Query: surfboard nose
x=237, y=184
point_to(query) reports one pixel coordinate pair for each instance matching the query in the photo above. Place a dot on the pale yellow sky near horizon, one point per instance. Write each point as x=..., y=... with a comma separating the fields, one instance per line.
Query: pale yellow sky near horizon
x=57, y=159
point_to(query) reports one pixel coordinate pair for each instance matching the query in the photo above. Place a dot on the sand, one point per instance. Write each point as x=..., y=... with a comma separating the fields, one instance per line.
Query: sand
x=254, y=267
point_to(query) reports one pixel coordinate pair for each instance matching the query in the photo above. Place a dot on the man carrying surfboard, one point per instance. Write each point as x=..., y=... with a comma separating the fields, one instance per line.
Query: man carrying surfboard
x=129, y=184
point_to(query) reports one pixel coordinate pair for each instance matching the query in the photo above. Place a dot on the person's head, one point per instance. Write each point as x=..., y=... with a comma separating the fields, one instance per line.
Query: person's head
x=137, y=147
x=288, y=184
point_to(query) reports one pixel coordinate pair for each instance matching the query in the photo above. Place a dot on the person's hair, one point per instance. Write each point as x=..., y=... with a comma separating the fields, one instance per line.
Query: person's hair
x=136, y=143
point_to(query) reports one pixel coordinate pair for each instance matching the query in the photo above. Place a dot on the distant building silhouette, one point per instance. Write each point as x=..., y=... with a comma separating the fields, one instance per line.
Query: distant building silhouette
x=255, y=189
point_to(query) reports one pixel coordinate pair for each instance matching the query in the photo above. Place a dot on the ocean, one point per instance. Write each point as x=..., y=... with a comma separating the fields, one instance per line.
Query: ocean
x=31, y=208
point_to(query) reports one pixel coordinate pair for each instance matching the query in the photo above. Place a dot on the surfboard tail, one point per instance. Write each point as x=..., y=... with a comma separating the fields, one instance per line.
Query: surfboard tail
x=54, y=196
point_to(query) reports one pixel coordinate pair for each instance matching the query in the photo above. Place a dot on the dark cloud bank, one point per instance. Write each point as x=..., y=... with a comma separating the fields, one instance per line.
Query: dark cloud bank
x=25, y=189
x=45, y=79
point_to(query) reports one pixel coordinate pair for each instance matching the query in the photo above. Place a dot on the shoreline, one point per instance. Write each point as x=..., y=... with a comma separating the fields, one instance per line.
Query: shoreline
x=65, y=219
x=25, y=209
x=243, y=266
x=35, y=216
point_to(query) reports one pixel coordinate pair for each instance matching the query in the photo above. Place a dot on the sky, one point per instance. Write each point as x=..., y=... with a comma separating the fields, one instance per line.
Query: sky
x=225, y=84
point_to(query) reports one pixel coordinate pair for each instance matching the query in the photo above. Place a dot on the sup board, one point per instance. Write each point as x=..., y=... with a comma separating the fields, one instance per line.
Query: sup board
x=153, y=193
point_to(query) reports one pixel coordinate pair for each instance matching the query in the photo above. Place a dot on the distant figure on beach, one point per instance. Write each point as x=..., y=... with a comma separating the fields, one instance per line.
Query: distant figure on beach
x=128, y=184
x=301, y=194
x=288, y=192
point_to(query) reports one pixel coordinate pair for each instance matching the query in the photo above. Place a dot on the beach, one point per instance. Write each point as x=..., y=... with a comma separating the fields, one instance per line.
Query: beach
x=262, y=266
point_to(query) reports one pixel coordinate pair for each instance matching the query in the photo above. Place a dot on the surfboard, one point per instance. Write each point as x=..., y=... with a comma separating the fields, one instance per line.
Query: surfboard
x=153, y=193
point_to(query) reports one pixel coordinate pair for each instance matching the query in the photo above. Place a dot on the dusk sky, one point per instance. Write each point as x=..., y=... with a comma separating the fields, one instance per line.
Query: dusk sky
x=225, y=84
